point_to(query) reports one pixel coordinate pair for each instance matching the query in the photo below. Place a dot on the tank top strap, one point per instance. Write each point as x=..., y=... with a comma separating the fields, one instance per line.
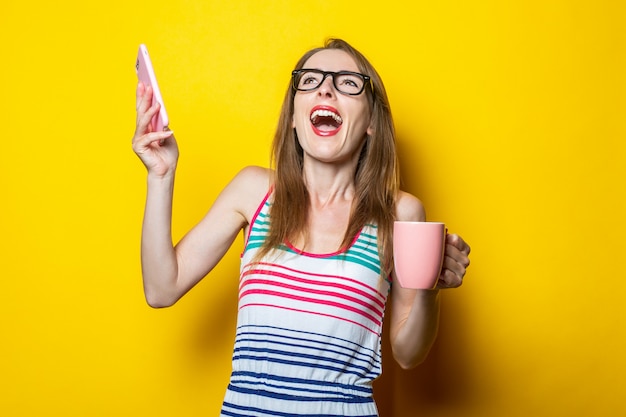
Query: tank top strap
x=260, y=224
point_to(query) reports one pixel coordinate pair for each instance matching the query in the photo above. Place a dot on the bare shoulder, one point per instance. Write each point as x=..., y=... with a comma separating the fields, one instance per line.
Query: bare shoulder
x=254, y=176
x=409, y=208
x=248, y=188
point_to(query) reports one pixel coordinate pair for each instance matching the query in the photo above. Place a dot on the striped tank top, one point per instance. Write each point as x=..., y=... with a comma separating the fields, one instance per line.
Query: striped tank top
x=308, y=340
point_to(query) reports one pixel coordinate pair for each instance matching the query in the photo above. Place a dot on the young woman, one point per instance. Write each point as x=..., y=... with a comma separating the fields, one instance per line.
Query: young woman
x=317, y=267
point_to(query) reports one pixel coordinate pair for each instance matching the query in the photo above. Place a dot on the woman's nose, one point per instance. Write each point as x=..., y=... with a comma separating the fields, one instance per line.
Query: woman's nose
x=327, y=88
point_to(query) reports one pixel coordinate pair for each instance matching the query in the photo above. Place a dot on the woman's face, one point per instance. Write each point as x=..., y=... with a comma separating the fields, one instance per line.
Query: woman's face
x=331, y=126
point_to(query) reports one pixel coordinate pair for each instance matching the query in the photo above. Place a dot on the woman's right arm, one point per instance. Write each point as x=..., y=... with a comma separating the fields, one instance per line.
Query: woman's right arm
x=170, y=271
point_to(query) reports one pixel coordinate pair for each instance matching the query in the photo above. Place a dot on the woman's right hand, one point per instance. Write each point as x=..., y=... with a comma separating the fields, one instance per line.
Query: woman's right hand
x=157, y=150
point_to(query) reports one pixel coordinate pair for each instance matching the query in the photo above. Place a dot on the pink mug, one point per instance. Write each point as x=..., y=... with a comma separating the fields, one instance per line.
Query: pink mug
x=418, y=249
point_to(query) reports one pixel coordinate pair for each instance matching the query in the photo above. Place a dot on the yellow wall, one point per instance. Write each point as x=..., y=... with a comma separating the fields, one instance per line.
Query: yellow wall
x=511, y=128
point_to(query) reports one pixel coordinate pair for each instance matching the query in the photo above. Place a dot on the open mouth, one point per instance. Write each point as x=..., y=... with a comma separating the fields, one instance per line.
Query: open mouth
x=325, y=120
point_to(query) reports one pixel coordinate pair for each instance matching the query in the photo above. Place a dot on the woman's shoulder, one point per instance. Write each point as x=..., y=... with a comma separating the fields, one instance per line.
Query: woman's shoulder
x=255, y=176
x=250, y=187
x=252, y=181
x=409, y=208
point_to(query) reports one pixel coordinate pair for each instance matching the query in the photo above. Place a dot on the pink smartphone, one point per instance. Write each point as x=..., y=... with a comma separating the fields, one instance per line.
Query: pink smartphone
x=145, y=74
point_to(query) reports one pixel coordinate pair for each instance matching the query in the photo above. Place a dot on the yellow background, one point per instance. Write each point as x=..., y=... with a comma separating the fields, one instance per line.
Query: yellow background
x=510, y=117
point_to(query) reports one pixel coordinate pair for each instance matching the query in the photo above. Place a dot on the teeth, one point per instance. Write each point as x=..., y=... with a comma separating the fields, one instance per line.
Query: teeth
x=327, y=113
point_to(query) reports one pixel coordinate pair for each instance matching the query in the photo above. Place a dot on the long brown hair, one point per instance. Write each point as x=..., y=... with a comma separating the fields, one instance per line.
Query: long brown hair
x=376, y=178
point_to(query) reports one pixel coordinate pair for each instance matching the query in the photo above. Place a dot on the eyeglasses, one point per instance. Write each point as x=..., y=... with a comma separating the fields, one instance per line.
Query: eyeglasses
x=346, y=82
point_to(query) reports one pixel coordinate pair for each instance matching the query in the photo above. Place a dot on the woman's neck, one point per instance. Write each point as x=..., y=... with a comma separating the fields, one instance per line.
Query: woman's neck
x=329, y=184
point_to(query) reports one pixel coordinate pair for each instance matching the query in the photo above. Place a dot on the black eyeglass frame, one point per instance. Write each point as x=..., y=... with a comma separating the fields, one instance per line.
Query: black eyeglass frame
x=367, y=80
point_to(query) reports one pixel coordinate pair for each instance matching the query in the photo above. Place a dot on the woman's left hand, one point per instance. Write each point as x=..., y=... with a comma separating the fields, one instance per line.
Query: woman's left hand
x=455, y=262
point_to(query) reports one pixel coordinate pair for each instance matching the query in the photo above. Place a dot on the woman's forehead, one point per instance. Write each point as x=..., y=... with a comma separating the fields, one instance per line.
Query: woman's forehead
x=332, y=60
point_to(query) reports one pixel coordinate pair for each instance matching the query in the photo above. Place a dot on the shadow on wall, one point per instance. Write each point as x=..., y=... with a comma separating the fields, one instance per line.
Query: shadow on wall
x=442, y=382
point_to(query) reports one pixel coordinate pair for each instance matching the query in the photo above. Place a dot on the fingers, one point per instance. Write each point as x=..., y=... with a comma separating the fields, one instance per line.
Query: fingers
x=448, y=279
x=145, y=109
x=144, y=119
x=459, y=243
x=139, y=92
x=143, y=98
x=143, y=95
x=157, y=150
x=455, y=263
x=140, y=143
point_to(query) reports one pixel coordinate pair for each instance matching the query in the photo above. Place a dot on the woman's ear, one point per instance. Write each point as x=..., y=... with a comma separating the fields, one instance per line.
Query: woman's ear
x=370, y=129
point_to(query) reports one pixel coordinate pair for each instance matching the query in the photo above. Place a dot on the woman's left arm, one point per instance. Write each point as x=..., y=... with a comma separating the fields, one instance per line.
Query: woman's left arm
x=415, y=313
